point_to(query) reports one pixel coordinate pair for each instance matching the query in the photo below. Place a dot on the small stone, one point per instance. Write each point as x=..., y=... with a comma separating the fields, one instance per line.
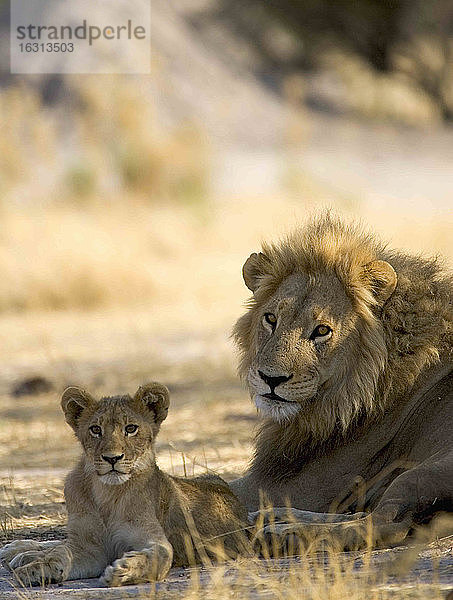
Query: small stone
x=31, y=386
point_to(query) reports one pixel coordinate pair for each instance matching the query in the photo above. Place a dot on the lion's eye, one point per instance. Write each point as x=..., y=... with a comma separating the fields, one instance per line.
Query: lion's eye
x=96, y=430
x=321, y=332
x=131, y=429
x=270, y=319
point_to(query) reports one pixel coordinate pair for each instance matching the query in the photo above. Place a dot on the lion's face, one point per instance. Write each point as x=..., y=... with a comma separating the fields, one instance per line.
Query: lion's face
x=303, y=335
x=117, y=434
x=312, y=343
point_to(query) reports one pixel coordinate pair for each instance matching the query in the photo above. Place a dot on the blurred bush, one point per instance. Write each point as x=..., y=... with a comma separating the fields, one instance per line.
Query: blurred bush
x=119, y=133
x=103, y=141
x=401, y=44
x=92, y=193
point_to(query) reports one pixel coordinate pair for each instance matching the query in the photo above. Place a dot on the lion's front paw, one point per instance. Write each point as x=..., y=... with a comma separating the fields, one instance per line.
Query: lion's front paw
x=294, y=538
x=390, y=525
x=150, y=564
x=278, y=539
x=41, y=567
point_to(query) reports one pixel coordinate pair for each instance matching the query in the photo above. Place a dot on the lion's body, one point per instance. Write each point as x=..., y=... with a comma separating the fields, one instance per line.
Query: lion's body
x=371, y=398
x=323, y=478
x=134, y=523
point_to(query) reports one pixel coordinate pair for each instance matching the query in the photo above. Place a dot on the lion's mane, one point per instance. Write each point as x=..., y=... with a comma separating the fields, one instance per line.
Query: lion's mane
x=413, y=330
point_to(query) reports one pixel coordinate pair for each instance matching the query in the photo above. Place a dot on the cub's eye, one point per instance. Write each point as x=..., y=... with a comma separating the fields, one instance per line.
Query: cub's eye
x=96, y=431
x=270, y=319
x=131, y=429
x=321, y=333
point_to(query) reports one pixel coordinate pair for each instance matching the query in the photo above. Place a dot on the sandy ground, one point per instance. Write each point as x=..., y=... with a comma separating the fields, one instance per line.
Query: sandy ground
x=418, y=583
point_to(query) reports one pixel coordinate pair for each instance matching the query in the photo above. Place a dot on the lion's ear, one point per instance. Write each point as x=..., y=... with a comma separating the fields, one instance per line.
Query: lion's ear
x=254, y=268
x=155, y=398
x=382, y=278
x=73, y=402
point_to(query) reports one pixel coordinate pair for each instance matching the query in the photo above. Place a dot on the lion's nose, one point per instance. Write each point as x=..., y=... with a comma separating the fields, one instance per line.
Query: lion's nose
x=273, y=382
x=112, y=459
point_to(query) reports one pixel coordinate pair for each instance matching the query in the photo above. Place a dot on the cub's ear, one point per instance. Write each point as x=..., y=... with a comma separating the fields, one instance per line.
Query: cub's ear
x=73, y=402
x=382, y=278
x=155, y=397
x=254, y=268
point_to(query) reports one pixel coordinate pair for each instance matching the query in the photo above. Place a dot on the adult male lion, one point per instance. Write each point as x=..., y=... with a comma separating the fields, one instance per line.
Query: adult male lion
x=347, y=351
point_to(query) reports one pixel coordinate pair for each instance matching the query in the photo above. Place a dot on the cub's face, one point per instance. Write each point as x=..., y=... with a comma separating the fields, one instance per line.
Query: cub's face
x=117, y=440
x=117, y=433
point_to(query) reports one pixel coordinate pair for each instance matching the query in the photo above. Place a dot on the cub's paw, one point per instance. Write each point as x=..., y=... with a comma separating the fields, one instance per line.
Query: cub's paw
x=41, y=567
x=38, y=572
x=13, y=549
x=150, y=564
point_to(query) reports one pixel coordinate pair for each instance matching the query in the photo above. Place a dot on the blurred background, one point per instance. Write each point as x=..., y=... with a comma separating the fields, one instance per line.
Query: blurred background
x=128, y=205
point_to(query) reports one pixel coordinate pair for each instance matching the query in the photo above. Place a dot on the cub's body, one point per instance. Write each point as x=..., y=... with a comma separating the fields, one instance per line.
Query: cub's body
x=187, y=510
x=127, y=519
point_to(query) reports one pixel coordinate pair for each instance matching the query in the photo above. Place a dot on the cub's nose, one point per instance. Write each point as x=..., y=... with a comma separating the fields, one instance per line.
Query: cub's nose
x=112, y=459
x=273, y=382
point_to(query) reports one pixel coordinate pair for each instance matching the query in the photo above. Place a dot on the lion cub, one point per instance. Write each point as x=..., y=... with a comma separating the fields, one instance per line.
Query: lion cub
x=126, y=518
